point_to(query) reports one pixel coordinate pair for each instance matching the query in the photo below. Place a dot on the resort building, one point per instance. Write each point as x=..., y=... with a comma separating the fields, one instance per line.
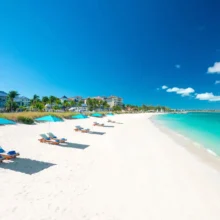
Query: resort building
x=3, y=98
x=22, y=101
x=64, y=98
x=98, y=98
x=114, y=101
x=77, y=99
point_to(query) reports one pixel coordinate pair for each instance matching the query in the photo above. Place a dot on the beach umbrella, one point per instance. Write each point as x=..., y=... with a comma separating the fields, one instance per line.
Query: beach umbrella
x=110, y=114
x=98, y=115
x=49, y=118
x=4, y=121
x=79, y=116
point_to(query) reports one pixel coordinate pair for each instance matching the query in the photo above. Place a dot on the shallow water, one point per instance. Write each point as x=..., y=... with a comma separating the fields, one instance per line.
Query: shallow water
x=203, y=128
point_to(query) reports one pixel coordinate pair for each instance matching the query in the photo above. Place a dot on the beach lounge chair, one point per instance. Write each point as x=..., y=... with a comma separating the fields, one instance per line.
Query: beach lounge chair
x=48, y=140
x=78, y=128
x=111, y=121
x=97, y=124
x=8, y=155
x=85, y=130
x=52, y=136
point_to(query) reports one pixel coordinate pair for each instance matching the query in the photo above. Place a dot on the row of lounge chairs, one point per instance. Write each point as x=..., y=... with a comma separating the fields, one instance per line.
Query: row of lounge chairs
x=87, y=130
x=7, y=155
x=54, y=140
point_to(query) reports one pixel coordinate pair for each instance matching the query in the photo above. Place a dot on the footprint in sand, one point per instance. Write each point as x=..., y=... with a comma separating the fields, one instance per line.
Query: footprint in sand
x=57, y=209
x=79, y=194
x=14, y=209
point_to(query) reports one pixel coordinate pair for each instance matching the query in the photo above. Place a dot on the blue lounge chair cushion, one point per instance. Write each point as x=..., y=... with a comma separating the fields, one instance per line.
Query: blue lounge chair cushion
x=1, y=157
x=63, y=139
x=12, y=152
x=2, y=150
x=54, y=137
x=47, y=139
x=57, y=140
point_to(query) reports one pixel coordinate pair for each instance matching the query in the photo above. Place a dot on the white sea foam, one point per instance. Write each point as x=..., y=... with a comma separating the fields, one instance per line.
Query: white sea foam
x=211, y=152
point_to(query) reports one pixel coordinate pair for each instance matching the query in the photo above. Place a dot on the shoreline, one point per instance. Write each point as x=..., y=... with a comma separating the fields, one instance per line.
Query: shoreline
x=202, y=153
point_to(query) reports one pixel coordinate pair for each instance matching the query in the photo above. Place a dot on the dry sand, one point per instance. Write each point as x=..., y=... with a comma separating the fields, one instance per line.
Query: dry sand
x=133, y=171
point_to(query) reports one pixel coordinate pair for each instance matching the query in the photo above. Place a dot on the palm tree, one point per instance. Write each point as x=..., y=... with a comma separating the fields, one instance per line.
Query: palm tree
x=58, y=102
x=35, y=99
x=79, y=104
x=72, y=103
x=39, y=106
x=66, y=104
x=89, y=103
x=106, y=105
x=45, y=100
x=52, y=99
x=10, y=100
x=12, y=95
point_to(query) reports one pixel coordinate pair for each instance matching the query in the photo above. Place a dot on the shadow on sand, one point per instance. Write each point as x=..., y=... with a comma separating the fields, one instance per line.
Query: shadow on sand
x=74, y=145
x=108, y=126
x=96, y=132
x=26, y=166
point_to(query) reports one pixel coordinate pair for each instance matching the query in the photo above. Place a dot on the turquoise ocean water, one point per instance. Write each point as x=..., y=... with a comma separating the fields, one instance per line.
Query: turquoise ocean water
x=203, y=128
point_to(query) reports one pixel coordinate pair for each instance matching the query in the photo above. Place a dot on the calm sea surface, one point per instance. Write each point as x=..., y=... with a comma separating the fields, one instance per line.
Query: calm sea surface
x=203, y=128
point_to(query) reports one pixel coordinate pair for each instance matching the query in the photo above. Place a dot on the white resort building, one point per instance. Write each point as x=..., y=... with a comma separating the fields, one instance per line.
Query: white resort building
x=64, y=98
x=3, y=98
x=22, y=101
x=114, y=101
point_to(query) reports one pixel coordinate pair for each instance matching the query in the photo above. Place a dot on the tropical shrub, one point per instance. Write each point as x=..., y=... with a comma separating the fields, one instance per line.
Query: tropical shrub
x=25, y=120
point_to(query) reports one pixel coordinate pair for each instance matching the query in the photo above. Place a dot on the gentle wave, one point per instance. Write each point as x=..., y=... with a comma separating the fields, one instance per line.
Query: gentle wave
x=211, y=152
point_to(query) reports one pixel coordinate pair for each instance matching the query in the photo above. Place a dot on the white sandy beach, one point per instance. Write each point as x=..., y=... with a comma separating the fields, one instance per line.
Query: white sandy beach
x=132, y=172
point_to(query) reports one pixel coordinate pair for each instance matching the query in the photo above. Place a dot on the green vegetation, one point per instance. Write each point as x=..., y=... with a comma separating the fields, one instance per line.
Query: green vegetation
x=116, y=108
x=146, y=108
x=10, y=104
x=28, y=117
x=53, y=106
x=25, y=120
x=40, y=105
x=96, y=104
x=33, y=115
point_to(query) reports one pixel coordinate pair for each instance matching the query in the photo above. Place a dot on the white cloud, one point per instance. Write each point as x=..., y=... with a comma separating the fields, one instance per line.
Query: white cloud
x=180, y=91
x=174, y=89
x=164, y=87
x=177, y=66
x=186, y=92
x=217, y=82
x=208, y=96
x=214, y=69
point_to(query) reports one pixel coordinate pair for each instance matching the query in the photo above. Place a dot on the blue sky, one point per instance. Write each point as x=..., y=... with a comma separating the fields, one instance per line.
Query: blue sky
x=113, y=47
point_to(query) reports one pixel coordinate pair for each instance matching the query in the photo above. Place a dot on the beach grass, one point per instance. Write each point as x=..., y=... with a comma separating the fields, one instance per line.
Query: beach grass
x=33, y=115
x=15, y=116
